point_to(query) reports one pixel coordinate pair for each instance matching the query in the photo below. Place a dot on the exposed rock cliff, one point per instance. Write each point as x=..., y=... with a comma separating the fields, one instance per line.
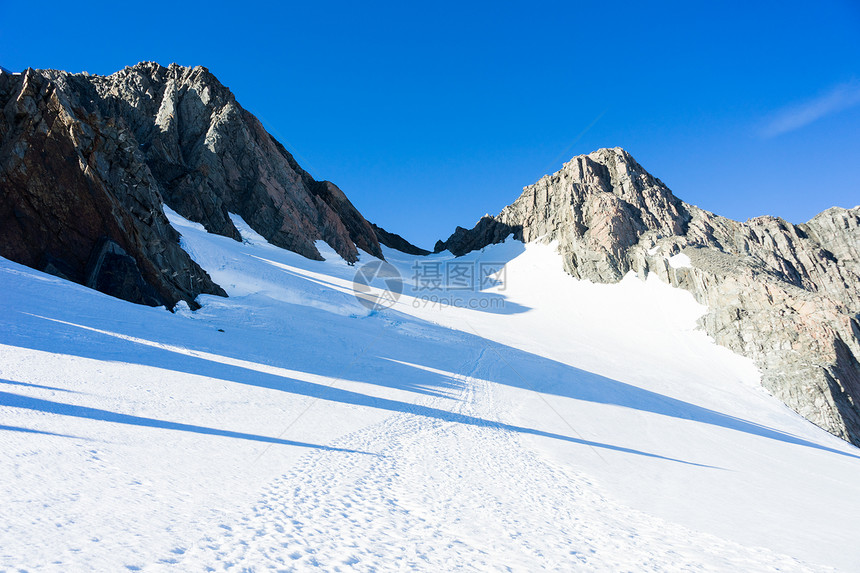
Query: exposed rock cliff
x=786, y=295
x=77, y=200
x=212, y=157
x=85, y=162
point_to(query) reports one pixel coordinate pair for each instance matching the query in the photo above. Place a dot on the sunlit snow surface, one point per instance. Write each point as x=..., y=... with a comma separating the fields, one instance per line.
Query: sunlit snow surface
x=679, y=261
x=556, y=425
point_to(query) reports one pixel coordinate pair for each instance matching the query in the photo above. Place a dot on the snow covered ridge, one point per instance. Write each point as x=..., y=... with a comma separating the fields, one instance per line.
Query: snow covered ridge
x=294, y=425
x=289, y=427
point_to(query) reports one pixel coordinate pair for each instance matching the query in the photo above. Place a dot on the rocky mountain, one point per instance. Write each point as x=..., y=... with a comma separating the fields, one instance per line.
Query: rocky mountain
x=787, y=296
x=87, y=161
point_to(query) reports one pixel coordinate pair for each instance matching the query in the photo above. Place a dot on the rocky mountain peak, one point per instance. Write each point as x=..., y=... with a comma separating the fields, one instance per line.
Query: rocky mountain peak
x=602, y=203
x=214, y=158
x=77, y=199
x=143, y=136
x=786, y=295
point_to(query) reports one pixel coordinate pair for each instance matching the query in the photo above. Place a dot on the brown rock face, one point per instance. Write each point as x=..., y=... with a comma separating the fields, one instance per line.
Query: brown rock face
x=788, y=296
x=212, y=157
x=77, y=200
x=86, y=162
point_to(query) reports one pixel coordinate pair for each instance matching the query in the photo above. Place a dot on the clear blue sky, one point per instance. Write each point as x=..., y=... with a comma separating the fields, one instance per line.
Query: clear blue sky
x=430, y=115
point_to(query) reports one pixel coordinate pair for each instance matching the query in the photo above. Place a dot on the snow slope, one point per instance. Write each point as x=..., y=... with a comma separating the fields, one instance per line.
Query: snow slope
x=542, y=423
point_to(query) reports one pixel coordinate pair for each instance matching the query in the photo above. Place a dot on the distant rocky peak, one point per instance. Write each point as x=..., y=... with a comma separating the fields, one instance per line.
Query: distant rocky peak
x=602, y=200
x=787, y=296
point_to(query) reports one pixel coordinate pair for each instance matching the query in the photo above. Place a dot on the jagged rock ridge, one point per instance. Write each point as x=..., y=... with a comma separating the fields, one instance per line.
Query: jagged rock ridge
x=788, y=296
x=77, y=200
x=213, y=157
x=395, y=241
x=86, y=161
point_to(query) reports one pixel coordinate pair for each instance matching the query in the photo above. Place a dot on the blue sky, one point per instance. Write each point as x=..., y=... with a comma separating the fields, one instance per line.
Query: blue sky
x=430, y=115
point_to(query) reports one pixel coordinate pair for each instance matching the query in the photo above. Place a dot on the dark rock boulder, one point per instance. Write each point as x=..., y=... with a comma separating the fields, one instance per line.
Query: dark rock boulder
x=113, y=271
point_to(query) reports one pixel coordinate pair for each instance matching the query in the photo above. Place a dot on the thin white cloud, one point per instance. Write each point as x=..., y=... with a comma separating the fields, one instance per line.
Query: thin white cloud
x=800, y=115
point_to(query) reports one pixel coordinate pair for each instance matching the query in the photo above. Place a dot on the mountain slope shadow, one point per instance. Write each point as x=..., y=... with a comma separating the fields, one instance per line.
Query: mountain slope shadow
x=50, y=407
x=567, y=381
x=201, y=363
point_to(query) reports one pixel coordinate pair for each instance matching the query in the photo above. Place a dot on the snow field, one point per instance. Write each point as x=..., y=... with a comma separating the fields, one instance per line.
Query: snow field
x=566, y=425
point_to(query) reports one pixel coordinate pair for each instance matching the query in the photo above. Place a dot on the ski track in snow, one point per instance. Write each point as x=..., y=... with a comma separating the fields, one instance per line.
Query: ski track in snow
x=401, y=510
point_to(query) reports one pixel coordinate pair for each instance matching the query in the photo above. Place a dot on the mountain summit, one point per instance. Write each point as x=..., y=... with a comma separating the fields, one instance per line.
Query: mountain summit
x=88, y=160
x=786, y=295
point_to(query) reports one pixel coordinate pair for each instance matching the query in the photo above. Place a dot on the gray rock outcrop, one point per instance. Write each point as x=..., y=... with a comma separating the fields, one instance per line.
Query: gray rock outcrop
x=787, y=296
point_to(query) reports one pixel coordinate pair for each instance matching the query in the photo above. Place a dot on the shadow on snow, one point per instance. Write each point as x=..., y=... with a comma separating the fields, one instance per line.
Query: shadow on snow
x=62, y=409
x=403, y=371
